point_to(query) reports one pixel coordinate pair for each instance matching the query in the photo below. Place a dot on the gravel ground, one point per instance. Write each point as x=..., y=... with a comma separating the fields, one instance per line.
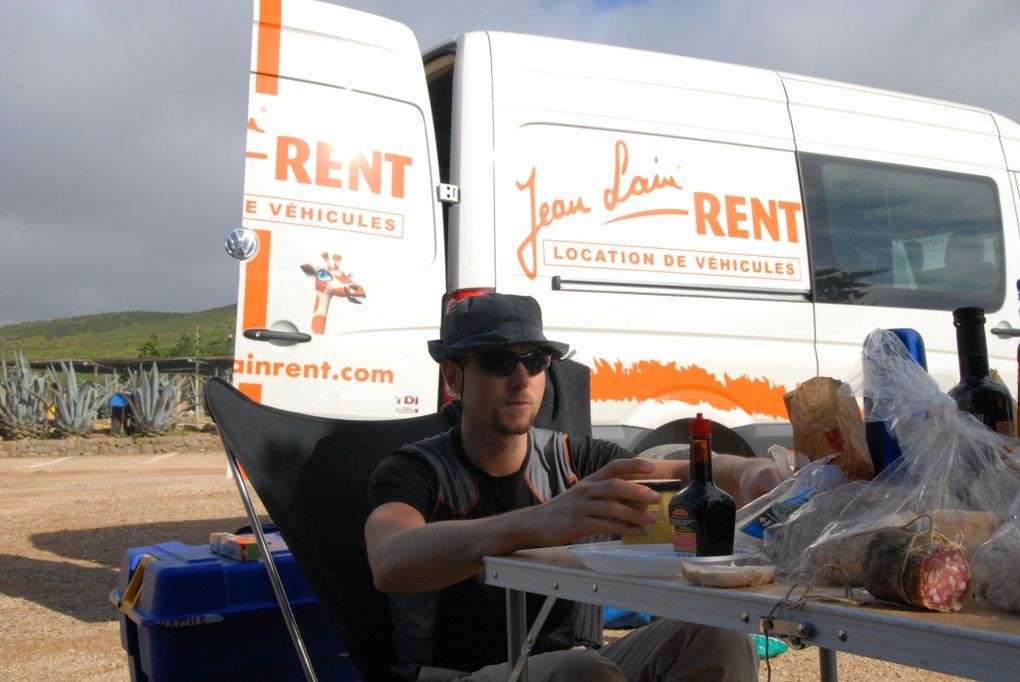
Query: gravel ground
x=68, y=519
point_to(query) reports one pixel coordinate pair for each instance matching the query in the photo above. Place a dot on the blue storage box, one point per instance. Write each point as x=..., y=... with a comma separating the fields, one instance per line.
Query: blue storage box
x=190, y=614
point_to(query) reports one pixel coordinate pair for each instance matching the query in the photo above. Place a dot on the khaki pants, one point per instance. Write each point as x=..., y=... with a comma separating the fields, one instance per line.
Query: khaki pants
x=666, y=650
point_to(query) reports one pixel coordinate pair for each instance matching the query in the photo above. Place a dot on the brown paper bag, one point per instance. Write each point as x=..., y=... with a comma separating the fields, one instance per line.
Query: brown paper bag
x=826, y=421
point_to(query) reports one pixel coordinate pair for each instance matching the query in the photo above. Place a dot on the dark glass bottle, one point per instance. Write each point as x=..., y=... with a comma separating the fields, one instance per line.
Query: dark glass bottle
x=702, y=516
x=976, y=393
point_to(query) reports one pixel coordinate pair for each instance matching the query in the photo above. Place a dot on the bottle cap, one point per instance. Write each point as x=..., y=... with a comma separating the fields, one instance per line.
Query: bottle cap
x=968, y=314
x=700, y=427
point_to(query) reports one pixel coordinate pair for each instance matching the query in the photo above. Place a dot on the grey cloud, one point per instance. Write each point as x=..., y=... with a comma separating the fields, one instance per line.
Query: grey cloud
x=121, y=152
x=123, y=161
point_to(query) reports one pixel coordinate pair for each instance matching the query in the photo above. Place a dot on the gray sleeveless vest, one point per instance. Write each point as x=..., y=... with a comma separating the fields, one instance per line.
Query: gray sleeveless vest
x=547, y=473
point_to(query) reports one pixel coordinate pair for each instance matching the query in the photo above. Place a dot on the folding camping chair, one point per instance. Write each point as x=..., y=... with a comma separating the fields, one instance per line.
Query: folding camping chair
x=312, y=474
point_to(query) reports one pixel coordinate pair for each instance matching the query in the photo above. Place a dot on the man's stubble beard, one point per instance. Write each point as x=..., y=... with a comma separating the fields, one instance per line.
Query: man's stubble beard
x=512, y=427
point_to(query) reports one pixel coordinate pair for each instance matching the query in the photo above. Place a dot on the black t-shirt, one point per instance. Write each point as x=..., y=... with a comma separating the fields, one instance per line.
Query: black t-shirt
x=470, y=626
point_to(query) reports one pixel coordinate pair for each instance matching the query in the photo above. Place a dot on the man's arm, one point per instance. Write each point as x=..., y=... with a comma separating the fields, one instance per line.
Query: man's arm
x=409, y=555
x=743, y=478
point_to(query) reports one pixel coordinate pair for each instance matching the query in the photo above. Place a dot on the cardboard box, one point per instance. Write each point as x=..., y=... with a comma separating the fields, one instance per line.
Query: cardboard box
x=243, y=547
x=188, y=613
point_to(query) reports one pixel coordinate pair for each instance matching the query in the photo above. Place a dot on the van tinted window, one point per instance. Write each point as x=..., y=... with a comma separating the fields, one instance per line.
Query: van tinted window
x=888, y=235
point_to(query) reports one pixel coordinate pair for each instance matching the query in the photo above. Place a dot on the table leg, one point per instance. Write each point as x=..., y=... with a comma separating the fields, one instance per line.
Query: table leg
x=516, y=631
x=827, y=665
x=519, y=642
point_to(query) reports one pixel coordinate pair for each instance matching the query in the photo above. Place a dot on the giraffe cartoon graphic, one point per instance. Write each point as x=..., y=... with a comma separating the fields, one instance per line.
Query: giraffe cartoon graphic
x=330, y=281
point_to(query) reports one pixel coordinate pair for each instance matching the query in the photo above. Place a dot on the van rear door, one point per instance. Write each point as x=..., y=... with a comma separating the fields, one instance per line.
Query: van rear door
x=336, y=305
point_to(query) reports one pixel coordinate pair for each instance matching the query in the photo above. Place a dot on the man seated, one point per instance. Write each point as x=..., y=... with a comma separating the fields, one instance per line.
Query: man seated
x=494, y=485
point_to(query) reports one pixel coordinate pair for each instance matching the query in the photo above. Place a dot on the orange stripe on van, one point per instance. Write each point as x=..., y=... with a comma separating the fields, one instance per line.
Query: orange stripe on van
x=267, y=62
x=647, y=380
x=253, y=391
x=256, y=284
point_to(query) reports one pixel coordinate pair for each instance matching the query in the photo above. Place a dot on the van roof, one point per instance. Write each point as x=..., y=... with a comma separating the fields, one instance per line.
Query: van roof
x=553, y=60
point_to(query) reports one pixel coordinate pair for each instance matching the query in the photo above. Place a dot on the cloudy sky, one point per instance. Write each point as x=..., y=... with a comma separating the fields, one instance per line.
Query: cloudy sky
x=122, y=121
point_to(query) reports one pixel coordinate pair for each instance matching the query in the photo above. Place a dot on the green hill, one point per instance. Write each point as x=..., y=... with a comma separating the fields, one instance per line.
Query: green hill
x=123, y=335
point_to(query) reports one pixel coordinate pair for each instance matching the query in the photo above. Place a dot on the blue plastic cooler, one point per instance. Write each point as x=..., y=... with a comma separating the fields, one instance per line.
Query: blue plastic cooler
x=191, y=614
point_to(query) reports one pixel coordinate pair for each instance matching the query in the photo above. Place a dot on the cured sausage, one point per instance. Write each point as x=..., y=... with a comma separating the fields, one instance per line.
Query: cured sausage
x=918, y=569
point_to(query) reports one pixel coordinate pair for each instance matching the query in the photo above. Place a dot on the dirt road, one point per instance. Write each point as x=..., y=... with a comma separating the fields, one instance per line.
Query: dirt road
x=66, y=522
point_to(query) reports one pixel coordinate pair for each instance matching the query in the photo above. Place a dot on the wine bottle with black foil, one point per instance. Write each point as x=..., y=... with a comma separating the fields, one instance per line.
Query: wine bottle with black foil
x=701, y=515
x=976, y=393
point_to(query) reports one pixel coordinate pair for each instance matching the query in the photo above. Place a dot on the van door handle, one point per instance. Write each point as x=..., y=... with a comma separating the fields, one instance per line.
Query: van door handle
x=1005, y=332
x=273, y=335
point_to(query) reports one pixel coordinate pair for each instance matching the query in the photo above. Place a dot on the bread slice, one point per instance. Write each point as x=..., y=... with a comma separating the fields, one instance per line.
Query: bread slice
x=727, y=576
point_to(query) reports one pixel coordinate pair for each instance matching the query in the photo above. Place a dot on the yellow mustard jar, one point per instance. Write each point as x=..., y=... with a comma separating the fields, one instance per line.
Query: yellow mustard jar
x=661, y=531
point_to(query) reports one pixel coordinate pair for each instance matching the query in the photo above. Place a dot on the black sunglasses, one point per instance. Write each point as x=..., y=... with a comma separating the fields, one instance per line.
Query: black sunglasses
x=504, y=362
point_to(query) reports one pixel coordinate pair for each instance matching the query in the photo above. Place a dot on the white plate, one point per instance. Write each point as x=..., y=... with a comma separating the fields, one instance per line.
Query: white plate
x=650, y=561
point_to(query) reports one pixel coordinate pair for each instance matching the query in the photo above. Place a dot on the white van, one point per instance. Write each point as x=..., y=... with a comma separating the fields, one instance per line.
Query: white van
x=705, y=236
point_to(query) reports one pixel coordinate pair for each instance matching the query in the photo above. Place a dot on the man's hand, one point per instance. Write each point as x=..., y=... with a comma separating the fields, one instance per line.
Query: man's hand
x=745, y=478
x=604, y=502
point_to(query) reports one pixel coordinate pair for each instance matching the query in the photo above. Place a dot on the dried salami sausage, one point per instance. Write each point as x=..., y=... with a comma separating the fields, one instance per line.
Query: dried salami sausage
x=918, y=569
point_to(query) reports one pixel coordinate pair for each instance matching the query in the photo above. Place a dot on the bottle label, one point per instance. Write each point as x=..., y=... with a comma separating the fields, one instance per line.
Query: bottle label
x=685, y=533
x=685, y=542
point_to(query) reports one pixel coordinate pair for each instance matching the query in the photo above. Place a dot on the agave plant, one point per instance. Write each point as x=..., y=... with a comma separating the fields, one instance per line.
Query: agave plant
x=154, y=400
x=75, y=405
x=109, y=387
x=22, y=400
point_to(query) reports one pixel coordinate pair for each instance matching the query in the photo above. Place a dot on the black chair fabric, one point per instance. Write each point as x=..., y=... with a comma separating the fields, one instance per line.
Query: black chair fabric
x=566, y=404
x=312, y=475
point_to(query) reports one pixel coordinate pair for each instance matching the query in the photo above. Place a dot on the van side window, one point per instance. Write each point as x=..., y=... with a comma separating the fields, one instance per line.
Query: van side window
x=889, y=235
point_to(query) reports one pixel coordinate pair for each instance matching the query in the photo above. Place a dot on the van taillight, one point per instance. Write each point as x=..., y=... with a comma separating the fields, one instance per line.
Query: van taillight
x=460, y=294
x=445, y=397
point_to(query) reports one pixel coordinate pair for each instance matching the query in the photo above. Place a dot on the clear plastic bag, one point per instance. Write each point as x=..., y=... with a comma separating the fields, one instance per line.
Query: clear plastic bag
x=993, y=566
x=786, y=498
x=956, y=477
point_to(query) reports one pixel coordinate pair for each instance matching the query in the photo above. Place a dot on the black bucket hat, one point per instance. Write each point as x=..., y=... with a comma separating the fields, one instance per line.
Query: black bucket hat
x=491, y=322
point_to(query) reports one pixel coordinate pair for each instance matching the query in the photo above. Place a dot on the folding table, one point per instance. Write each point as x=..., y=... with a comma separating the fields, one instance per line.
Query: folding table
x=979, y=642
